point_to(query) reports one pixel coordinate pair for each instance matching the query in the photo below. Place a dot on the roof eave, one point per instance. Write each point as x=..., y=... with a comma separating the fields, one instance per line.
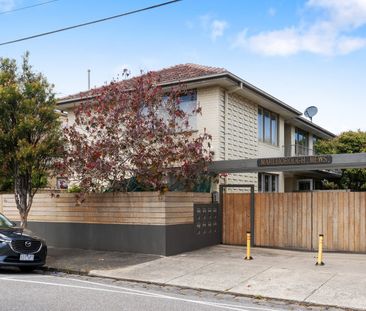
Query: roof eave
x=227, y=74
x=316, y=127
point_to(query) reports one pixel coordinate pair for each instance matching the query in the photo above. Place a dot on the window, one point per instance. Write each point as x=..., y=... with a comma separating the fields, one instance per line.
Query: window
x=267, y=127
x=267, y=182
x=188, y=104
x=274, y=130
x=316, y=139
x=305, y=185
x=260, y=124
x=301, y=142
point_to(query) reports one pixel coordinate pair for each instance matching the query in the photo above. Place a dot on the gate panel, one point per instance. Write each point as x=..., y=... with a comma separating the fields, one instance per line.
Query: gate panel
x=284, y=220
x=236, y=218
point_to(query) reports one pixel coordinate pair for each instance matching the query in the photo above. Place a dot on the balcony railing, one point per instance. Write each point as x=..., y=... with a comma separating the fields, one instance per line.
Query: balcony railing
x=297, y=150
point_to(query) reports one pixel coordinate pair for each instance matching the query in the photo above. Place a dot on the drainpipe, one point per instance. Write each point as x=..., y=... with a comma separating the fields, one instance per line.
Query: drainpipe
x=226, y=121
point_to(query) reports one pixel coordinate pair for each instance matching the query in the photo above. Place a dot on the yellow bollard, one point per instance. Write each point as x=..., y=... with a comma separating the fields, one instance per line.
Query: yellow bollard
x=248, y=257
x=320, y=251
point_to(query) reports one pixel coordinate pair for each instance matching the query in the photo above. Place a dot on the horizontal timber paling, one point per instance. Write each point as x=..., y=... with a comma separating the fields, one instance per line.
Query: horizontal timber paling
x=122, y=208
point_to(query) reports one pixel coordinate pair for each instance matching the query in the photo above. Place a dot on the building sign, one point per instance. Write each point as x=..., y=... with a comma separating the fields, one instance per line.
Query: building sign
x=304, y=160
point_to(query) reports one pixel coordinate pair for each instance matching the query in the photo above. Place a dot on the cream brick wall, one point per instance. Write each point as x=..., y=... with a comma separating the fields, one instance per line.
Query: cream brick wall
x=234, y=131
x=240, y=137
x=233, y=128
x=268, y=151
x=208, y=99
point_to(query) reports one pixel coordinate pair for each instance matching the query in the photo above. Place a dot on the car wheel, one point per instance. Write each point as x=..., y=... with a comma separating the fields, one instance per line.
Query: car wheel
x=27, y=268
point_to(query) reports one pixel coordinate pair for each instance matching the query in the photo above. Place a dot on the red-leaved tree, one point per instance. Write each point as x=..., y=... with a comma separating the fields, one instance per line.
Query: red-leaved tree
x=134, y=132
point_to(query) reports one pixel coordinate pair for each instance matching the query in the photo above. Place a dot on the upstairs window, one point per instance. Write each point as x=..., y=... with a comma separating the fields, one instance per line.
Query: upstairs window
x=301, y=142
x=188, y=104
x=316, y=139
x=267, y=126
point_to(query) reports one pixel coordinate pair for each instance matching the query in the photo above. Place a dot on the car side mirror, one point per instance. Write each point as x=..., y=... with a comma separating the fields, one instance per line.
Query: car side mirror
x=14, y=223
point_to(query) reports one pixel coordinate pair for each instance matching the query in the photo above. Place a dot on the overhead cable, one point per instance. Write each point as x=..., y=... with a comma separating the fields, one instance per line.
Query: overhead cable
x=27, y=7
x=91, y=22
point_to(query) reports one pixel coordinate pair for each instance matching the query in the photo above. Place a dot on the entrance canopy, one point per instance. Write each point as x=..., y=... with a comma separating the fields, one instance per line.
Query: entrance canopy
x=286, y=164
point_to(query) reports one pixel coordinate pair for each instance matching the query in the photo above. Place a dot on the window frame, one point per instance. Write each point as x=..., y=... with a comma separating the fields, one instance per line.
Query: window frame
x=304, y=148
x=305, y=180
x=262, y=133
x=262, y=182
x=315, y=140
x=192, y=117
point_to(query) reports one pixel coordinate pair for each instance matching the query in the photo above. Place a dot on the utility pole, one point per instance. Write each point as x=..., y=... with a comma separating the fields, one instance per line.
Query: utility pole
x=88, y=79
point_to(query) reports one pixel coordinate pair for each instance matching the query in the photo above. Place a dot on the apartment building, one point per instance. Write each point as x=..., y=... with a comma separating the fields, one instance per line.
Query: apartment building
x=244, y=121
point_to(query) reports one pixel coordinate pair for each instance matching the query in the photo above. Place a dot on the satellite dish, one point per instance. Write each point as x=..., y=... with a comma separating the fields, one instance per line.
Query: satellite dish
x=310, y=112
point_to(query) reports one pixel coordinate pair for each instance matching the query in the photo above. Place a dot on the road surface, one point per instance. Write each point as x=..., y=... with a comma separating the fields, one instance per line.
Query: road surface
x=57, y=291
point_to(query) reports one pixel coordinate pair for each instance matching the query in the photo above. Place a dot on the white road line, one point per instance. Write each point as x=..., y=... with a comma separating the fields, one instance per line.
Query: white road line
x=143, y=294
x=159, y=295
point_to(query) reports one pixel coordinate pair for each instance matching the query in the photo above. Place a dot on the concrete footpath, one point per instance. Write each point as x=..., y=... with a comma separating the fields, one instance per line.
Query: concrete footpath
x=278, y=274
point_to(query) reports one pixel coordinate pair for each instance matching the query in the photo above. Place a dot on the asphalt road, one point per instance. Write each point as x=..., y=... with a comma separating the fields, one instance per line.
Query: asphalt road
x=58, y=291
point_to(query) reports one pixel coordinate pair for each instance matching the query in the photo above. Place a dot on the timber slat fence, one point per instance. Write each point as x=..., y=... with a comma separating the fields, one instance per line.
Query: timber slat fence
x=294, y=220
x=145, y=208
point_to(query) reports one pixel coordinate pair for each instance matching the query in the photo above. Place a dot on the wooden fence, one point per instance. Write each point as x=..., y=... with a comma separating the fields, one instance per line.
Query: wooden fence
x=146, y=208
x=236, y=216
x=294, y=220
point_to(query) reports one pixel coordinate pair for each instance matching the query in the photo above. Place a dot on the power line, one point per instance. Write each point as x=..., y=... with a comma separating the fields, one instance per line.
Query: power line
x=26, y=7
x=92, y=22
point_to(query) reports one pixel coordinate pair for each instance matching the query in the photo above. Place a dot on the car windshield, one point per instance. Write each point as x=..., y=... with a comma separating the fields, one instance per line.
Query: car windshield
x=5, y=222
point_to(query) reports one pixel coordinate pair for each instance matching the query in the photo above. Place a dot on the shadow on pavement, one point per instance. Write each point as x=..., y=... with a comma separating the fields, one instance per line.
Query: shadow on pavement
x=85, y=260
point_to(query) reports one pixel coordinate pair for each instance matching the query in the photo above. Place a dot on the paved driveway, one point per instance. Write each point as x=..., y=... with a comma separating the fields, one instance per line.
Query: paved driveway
x=277, y=274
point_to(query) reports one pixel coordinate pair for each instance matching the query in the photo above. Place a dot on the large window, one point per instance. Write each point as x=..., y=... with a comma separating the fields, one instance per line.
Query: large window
x=267, y=182
x=301, y=142
x=187, y=103
x=267, y=126
x=316, y=139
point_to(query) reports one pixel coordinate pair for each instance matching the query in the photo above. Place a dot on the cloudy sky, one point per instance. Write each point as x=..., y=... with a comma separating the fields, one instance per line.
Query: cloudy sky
x=305, y=53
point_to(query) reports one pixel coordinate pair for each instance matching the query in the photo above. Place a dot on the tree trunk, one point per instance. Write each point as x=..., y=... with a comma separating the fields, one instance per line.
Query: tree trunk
x=23, y=220
x=23, y=197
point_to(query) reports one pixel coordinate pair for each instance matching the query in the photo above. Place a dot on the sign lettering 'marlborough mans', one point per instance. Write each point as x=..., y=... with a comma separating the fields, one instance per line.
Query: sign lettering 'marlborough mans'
x=304, y=160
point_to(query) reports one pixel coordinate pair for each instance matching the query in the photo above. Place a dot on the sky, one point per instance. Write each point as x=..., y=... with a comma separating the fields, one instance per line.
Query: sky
x=303, y=52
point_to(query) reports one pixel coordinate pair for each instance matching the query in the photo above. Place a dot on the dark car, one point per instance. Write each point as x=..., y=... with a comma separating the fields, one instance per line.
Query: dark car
x=20, y=247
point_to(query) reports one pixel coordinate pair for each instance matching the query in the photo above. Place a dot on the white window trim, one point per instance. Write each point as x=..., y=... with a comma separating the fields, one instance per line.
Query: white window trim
x=277, y=178
x=311, y=181
x=262, y=139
